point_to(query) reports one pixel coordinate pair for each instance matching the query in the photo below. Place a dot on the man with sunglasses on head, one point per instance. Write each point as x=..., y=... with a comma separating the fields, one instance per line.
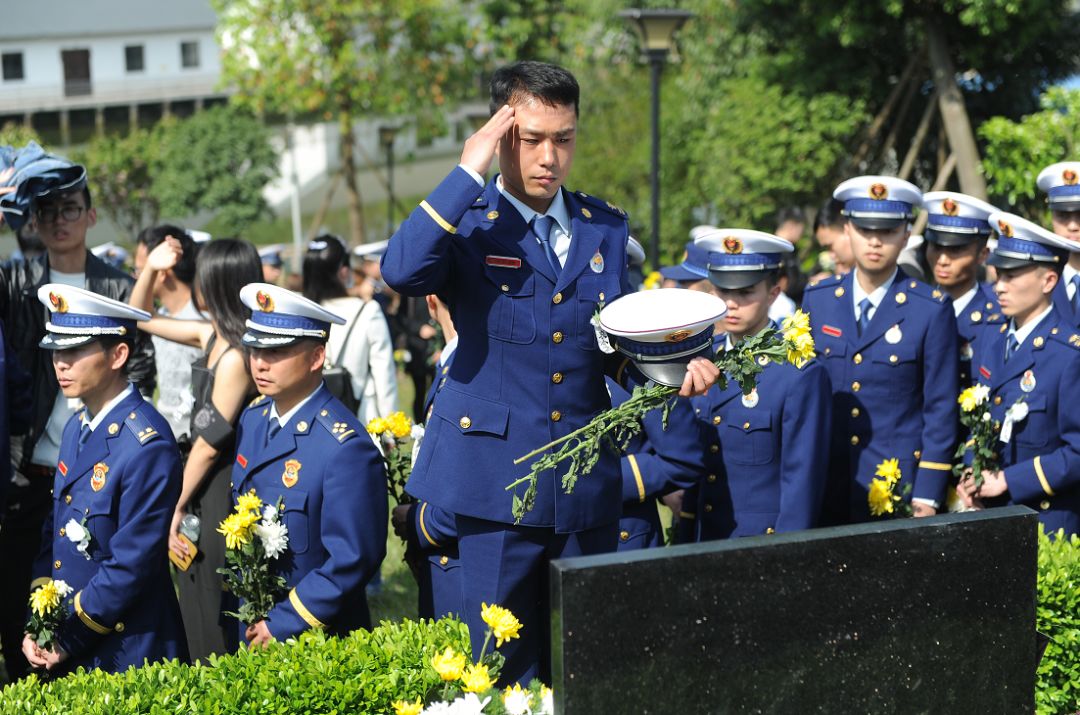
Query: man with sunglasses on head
x=61, y=212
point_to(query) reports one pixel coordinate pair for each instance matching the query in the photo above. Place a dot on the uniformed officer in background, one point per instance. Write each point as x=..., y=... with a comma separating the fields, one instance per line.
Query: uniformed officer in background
x=523, y=265
x=1061, y=184
x=766, y=452
x=1030, y=364
x=117, y=481
x=298, y=445
x=889, y=344
x=955, y=244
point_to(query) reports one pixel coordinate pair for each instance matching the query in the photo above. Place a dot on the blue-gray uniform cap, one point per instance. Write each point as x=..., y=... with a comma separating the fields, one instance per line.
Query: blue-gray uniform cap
x=1061, y=183
x=79, y=316
x=271, y=255
x=740, y=257
x=1023, y=243
x=692, y=267
x=280, y=317
x=635, y=253
x=662, y=330
x=878, y=202
x=956, y=219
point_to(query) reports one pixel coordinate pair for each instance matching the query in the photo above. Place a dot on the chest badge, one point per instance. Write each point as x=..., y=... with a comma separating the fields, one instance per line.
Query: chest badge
x=966, y=352
x=751, y=400
x=97, y=479
x=597, y=263
x=893, y=335
x=1027, y=382
x=291, y=475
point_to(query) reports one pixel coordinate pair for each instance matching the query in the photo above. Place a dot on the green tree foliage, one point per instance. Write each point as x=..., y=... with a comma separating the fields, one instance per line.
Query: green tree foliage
x=1058, y=618
x=1016, y=151
x=15, y=134
x=346, y=59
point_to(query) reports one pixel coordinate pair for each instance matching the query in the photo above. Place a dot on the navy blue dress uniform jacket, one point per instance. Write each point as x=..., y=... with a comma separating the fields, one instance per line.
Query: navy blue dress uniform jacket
x=658, y=461
x=330, y=477
x=1064, y=307
x=890, y=400
x=1042, y=459
x=981, y=311
x=124, y=483
x=527, y=368
x=765, y=454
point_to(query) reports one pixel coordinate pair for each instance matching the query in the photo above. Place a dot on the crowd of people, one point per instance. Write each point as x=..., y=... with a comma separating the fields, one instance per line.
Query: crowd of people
x=491, y=287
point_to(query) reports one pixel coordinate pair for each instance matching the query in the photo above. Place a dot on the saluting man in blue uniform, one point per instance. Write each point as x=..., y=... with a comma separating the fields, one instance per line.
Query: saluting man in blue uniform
x=1061, y=184
x=117, y=481
x=299, y=445
x=955, y=243
x=889, y=344
x=1030, y=364
x=523, y=265
x=766, y=452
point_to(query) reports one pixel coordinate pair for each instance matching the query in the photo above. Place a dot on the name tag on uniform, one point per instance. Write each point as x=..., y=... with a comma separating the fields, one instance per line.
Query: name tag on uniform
x=503, y=261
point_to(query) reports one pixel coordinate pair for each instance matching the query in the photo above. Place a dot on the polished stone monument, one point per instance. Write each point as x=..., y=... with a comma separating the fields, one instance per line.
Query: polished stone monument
x=929, y=615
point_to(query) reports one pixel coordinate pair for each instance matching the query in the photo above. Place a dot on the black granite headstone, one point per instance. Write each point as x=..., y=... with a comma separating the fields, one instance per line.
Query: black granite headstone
x=905, y=616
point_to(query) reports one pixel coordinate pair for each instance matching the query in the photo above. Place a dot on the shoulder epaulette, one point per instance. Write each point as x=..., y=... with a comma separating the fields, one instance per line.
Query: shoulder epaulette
x=336, y=423
x=1066, y=337
x=600, y=204
x=258, y=400
x=922, y=290
x=825, y=282
x=141, y=427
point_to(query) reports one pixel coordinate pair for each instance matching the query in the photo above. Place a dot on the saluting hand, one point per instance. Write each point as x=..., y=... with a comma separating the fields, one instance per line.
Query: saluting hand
x=480, y=147
x=701, y=374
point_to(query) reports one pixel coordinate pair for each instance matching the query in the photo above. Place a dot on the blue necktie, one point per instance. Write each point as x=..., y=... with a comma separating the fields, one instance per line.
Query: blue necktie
x=542, y=228
x=864, y=314
x=1011, y=346
x=273, y=429
x=84, y=436
x=1076, y=293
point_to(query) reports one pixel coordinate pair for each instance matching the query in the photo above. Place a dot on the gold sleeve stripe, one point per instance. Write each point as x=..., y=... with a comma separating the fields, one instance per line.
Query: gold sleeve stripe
x=637, y=477
x=423, y=528
x=304, y=612
x=1042, y=477
x=686, y=515
x=39, y=582
x=87, y=620
x=940, y=466
x=443, y=223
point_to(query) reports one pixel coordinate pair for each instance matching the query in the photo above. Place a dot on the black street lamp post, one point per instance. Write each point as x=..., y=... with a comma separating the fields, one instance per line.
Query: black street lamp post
x=656, y=29
x=387, y=134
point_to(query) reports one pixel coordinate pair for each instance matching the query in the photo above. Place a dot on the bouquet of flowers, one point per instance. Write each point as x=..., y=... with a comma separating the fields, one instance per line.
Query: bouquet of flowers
x=255, y=538
x=617, y=426
x=982, y=431
x=882, y=496
x=394, y=434
x=47, y=612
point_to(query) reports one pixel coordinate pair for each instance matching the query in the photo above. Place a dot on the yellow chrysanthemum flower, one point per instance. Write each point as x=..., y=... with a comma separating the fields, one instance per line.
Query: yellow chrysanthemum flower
x=889, y=470
x=800, y=343
x=503, y=624
x=237, y=528
x=45, y=599
x=249, y=502
x=377, y=426
x=476, y=679
x=448, y=664
x=880, y=497
x=403, y=707
x=972, y=397
x=399, y=425
x=653, y=280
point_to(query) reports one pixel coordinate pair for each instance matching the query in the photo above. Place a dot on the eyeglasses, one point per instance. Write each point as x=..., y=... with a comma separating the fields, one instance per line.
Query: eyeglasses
x=49, y=214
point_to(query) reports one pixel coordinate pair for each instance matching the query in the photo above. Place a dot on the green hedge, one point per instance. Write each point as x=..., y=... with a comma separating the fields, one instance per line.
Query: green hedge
x=366, y=672
x=1057, y=689
x=362, y=673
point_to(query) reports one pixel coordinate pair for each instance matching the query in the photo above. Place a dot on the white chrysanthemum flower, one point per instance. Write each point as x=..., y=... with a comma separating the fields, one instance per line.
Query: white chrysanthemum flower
x=63, y=588
x=986, y=417
x=439, y=708
x=547, y=701
x=75, y=531
x=517, y=701
x=269, y=513
x=417, y=432
x=469, y=704
x=274, y=536
x=982, y=394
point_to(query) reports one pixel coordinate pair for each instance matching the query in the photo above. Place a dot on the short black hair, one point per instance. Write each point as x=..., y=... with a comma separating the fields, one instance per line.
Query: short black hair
x=152, y=237
x=108, y=342
x=551, y=84
x=830, y=215
x=790, y=213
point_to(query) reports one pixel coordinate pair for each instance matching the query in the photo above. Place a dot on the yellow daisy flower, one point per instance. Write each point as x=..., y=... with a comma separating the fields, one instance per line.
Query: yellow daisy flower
x=653, y=280
x=403, y=707
x=476, y=679
x=249, y=502
x=889, y=470
x=399, y=425
x=448, y=664
x=972, y=397
x=377, y=426
x=45, y=599
x=503, y=624
x=800, y=343
x=237, y=528
x=880, y=497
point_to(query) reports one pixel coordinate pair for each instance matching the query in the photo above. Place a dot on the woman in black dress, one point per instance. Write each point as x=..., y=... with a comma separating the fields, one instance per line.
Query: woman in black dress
x=222, y=387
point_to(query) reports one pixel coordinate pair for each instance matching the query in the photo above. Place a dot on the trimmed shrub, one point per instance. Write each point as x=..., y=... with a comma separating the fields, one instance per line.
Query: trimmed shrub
x=1057, y=688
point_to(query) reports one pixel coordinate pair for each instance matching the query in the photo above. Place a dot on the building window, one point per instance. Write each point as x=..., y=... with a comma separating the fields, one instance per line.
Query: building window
x=189, y=54
x=13, y=66
x=133, y=58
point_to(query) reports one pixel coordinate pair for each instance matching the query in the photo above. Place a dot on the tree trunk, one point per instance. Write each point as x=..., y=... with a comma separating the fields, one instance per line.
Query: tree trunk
x=918, y=139
x=324, y=207
x=883, y=114
x=954, y=114
x=348, y=171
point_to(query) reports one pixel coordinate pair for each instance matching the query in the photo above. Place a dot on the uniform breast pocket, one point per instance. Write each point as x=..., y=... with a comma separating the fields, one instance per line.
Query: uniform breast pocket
x=897, y=366
x=830, y=348
x=1035, y=430
x=511, y=315
x=749, y=439
x=101, y=525
x=591, y=290
x=296, y=520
